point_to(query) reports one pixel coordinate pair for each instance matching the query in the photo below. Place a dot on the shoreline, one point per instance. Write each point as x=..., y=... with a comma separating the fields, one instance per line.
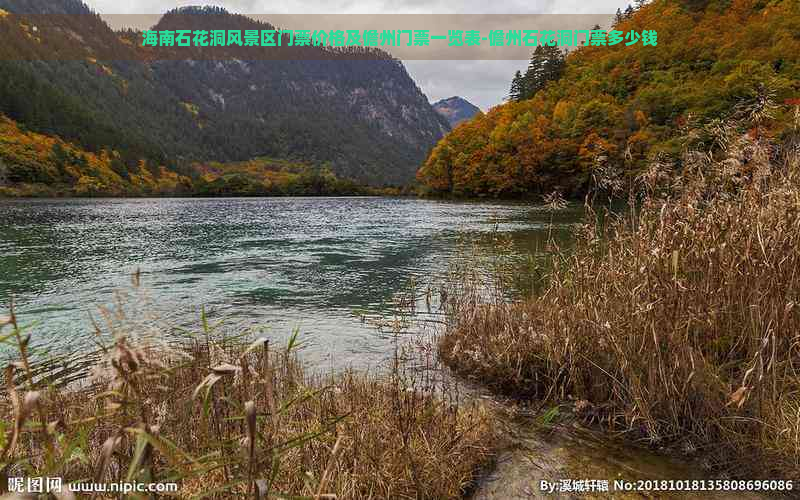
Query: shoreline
x=673, y=323
x=223, y=414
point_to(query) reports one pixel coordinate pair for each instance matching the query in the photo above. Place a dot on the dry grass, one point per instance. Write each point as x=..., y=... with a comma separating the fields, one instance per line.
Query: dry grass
x=228, y=420
x=679, y=321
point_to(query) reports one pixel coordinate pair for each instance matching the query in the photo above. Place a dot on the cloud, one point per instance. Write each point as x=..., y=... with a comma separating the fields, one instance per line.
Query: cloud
x=483, y=83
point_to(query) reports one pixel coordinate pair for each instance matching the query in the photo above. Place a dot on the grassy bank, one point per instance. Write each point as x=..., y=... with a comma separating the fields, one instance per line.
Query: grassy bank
x=226, y=419
x=677, y=322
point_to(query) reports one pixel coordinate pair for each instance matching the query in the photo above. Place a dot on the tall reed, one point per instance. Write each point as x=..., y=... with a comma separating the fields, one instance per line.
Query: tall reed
x=679, y=321
x=228, y=417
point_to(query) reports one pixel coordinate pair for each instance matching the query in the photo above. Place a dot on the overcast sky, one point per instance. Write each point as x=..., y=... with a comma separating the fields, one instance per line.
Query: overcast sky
x=484, y=83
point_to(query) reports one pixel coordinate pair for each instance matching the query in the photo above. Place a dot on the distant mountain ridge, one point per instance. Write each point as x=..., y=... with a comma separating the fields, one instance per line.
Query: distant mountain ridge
x=456, y=109
x=360, y=113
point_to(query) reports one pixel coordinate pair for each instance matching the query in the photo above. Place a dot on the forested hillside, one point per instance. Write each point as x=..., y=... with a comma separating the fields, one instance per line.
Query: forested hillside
x=33, y=164
x=65, y=73
x=615, y=108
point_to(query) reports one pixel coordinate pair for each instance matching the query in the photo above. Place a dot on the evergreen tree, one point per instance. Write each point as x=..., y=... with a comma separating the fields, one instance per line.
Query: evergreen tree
x=554, y=63
x=618, y=17
x=61, y=159
x=547, y=64
x=154, y=168
x=118, y=166
x=59, y=155
x=515, y=93
x=628, y=12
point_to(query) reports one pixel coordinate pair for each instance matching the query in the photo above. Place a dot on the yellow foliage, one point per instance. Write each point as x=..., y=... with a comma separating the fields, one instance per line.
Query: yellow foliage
x=78, y=172
x=108, y=71
x=641, y=119
x=563, y=111
x=191, y=108
x=619, y=105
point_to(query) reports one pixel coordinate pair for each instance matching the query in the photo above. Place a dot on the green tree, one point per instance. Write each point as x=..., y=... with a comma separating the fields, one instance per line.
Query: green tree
x=118, y=166
x=62, y=159
x=618, y=17
x=628, y=12
x=547, y=64
x=515, y=93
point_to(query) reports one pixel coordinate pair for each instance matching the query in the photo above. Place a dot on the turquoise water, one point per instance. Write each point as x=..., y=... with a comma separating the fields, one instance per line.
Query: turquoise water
x=318, y=264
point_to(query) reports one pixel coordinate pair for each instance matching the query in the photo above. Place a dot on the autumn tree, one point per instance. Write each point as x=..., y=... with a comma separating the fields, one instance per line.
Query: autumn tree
x=614, y=108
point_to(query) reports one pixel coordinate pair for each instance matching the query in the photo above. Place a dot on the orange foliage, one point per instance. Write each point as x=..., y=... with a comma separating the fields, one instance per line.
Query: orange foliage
x=621, y=104
x=33, y=163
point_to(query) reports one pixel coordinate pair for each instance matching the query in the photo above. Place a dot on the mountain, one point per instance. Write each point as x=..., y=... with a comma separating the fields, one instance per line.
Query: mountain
x=456, y=110
x=65, y=73
x=616, y=108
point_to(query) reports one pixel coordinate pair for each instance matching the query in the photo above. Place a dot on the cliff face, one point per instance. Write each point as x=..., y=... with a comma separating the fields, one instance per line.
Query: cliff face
x=456, y=110
x=363, y=115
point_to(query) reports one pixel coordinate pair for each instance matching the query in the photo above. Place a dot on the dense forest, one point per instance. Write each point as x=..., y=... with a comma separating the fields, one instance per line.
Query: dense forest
x=34, y=164
x=276, y=177
x=48, y=166
x=607, y=111
x=65, y=74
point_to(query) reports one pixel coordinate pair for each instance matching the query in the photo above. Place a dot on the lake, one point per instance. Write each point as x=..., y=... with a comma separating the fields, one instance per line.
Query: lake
x=317, y=264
